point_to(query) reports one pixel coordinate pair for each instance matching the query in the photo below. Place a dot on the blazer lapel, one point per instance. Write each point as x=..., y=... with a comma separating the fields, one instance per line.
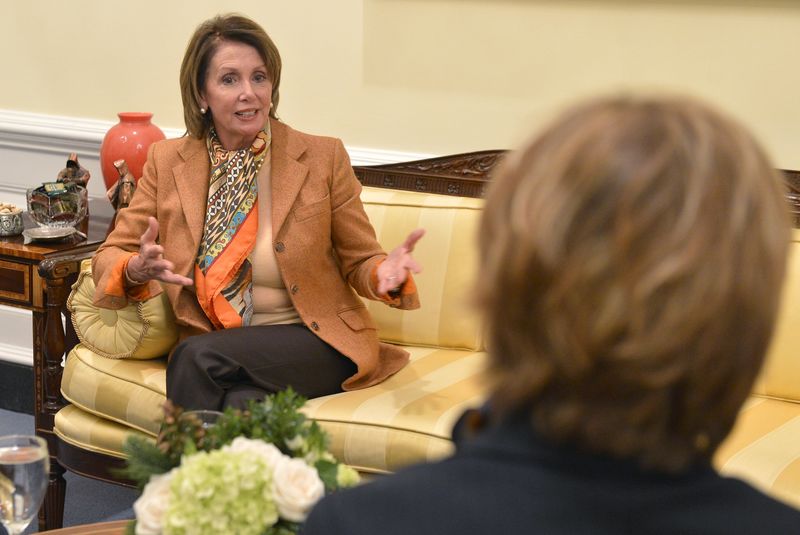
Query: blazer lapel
x=191, y=180
x=287, y=173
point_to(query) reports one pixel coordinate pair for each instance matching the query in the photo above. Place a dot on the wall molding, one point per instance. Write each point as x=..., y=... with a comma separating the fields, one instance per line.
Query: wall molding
x=60, y=135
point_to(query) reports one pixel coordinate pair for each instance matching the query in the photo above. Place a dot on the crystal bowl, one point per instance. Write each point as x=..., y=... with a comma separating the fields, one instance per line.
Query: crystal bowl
x=11, y=222
x=60, y=208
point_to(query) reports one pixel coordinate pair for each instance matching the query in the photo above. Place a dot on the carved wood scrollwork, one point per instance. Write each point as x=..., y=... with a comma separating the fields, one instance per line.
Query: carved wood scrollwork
x=476, y=164
x=464, y=175
x=468, y=175
x=793, y=195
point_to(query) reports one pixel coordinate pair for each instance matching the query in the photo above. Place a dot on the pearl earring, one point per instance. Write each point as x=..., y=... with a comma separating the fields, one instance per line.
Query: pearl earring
x=203, y=111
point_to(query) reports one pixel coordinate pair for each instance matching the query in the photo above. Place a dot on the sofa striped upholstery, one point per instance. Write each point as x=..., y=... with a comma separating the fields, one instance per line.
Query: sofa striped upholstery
x=407, y=418
x=764, y=446
x=404, y=420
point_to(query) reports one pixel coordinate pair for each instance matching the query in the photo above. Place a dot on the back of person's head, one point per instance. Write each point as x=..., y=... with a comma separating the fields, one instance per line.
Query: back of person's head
x=632, y=257
x=202, y=47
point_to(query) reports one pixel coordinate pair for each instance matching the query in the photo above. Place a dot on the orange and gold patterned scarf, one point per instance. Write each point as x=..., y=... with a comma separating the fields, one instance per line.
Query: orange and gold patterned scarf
x=223, y=273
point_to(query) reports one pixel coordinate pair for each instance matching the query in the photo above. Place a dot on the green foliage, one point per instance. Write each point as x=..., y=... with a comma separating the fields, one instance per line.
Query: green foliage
x=277, y=420
x=144, y=460
x=327, y=471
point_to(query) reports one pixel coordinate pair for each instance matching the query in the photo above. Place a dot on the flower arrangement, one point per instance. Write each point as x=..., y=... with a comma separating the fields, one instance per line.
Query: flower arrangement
x=258, y=471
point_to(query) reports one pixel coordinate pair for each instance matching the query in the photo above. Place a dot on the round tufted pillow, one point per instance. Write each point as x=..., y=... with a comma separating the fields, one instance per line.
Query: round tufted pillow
x=143, y=330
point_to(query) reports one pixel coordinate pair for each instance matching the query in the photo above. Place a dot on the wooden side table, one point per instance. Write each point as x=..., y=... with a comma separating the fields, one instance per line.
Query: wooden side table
x=38, y=277
x=20, y=284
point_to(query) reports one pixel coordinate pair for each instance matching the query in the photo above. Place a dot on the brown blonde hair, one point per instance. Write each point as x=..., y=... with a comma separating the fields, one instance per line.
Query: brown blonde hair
x=202, y=47
x=632, y=257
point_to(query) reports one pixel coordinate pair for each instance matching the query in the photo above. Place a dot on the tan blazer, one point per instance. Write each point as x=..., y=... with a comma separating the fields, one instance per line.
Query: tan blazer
x=324, y=243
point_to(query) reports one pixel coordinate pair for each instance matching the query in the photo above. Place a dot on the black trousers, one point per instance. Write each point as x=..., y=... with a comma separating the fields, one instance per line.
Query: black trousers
x=231, y=366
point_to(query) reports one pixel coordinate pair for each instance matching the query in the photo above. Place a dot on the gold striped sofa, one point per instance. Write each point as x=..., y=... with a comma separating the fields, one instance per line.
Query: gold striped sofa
x=114, y=379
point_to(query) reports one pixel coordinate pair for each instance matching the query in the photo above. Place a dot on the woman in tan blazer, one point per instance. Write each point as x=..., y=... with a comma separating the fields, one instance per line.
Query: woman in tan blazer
x=257, y=234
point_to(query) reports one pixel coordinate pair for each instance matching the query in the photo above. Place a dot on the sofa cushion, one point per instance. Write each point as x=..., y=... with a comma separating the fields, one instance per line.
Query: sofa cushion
x=89, y=432
x=130, y=392
x=145, y=330
x=764, y=448
x=448, y=256
x=407, y=418
x=780, y=377
x=404, y=420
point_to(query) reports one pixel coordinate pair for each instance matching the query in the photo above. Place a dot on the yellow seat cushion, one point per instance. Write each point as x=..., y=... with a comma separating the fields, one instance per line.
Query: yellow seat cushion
x=780, y=377
x=407, y=418
x=404, y=420
x=143, y=330
x=130, y=392
x=764, y=448
x=90, y=432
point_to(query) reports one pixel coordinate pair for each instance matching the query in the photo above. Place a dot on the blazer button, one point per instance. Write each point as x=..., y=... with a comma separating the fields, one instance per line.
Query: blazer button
x=294, y=288
x=315, y=325
x=280, y=247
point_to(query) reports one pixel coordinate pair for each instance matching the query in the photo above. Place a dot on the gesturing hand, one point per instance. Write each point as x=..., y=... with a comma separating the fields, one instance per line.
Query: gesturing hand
x=150, y=262
x=393, y=271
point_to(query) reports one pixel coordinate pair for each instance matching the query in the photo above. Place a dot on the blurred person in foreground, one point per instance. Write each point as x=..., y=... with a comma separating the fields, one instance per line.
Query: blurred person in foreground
x=631, y=261
x=259, y=237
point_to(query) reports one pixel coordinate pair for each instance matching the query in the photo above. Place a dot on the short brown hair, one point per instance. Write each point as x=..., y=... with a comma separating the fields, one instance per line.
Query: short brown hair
x=632, y=257
x=202, y=47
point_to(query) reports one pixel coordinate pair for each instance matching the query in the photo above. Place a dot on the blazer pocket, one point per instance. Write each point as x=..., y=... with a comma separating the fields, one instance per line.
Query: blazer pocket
x=307, y=211
x=357, y=318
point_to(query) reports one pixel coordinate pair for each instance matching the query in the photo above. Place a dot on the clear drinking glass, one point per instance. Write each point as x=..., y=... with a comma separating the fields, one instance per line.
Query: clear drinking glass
x=24, y=468
x=205, y=418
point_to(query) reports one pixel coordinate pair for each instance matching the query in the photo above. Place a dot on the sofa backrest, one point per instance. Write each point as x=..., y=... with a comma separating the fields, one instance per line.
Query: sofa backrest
x=448, y=254
x=780, y=377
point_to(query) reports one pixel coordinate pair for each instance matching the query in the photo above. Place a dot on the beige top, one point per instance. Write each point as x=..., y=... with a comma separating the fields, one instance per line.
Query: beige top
x=271, y=302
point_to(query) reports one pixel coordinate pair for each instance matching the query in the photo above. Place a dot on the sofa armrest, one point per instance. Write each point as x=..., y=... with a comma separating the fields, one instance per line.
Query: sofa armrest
x=52, y=336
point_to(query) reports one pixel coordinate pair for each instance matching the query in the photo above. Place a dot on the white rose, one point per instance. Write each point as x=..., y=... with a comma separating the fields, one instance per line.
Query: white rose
x=271, y=455
x=296, y=487
x=152, y=505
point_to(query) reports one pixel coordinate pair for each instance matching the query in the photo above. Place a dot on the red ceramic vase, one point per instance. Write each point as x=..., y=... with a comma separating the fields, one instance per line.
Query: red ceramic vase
x=128, y=140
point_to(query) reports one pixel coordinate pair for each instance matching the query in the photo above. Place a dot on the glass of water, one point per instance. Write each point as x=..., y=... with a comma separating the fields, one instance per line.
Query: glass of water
x=24, y=468
x=202, y=418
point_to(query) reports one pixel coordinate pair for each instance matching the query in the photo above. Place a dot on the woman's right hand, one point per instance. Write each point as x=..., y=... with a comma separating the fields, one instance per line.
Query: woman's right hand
x=150, y=262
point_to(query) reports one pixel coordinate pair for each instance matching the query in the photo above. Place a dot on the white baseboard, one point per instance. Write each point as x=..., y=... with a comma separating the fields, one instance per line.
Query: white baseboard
x=16, y=354
x=34, y=147
x=16, y=335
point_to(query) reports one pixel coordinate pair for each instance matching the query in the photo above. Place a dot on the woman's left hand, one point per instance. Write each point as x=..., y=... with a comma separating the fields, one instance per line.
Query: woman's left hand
x=393, y=271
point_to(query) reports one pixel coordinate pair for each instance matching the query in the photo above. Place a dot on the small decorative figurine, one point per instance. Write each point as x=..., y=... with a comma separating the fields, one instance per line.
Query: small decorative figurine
x=74, y=173
x=121, y=193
